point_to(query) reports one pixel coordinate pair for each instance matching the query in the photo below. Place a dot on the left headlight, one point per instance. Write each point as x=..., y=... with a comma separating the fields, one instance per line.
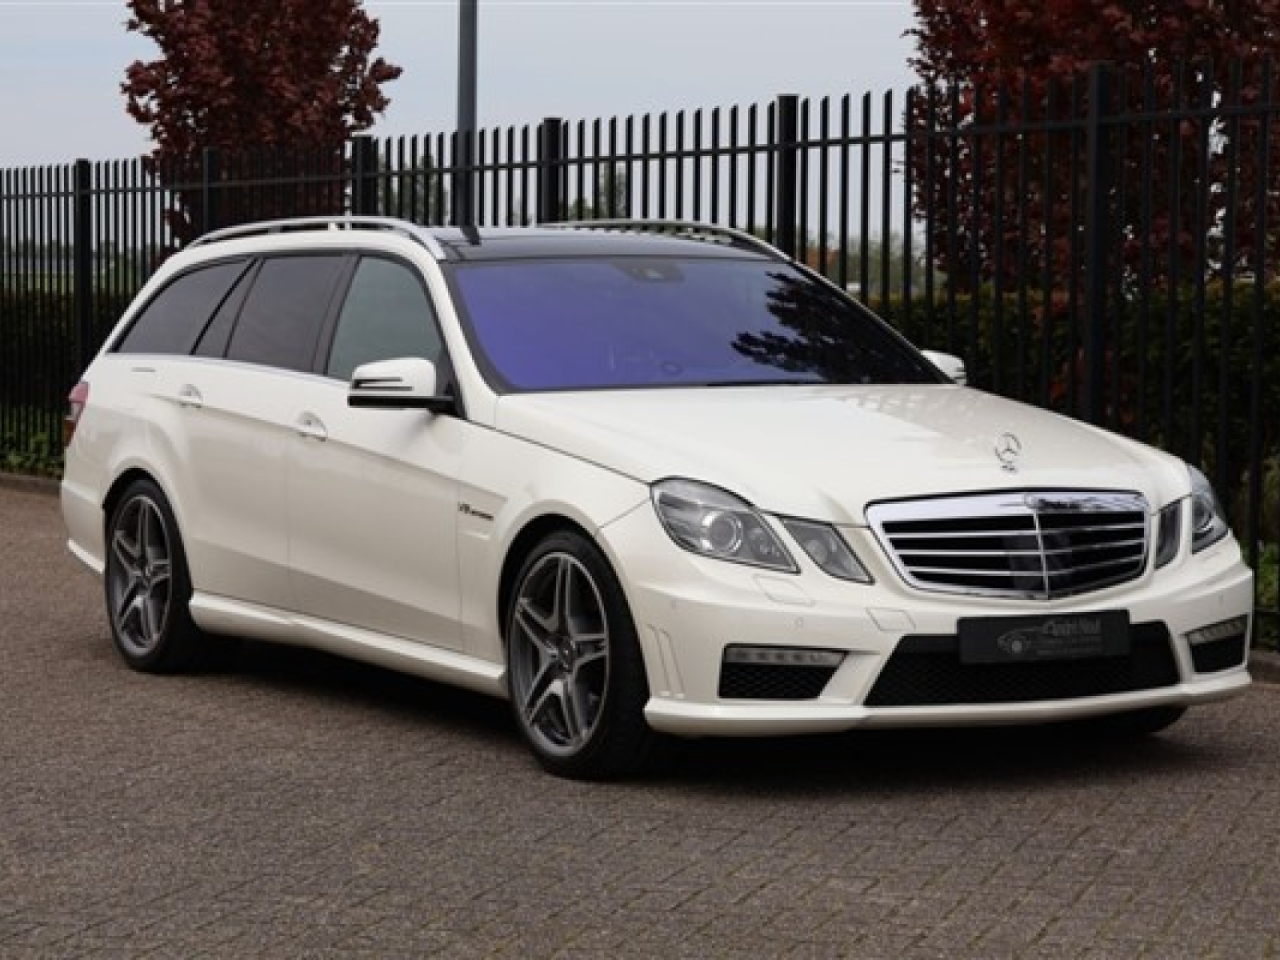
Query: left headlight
x=1208, y=522
x=714, y=523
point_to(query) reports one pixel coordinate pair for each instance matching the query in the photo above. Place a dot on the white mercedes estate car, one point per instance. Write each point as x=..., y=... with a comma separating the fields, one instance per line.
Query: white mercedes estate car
x=638, y=478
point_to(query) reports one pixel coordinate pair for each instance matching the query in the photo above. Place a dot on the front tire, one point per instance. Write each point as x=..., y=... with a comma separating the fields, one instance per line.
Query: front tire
x=148, y=587
x=575, y=673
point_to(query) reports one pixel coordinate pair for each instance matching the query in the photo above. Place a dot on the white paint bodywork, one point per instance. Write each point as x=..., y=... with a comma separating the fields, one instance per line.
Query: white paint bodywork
x=383, y=534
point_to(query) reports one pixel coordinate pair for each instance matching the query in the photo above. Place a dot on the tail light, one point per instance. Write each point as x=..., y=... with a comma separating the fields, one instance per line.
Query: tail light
x=76, y=402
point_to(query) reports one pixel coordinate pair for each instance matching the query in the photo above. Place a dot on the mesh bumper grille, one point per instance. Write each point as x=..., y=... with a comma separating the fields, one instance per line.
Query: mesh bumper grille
x=754, y=681
x=926, y=671
x=1219, y=654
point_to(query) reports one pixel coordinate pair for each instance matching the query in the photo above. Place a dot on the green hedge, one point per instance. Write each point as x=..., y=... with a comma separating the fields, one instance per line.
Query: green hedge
x=38, y=366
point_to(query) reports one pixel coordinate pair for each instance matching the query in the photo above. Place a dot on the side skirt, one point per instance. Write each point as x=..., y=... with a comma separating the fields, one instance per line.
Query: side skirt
x=235, y=618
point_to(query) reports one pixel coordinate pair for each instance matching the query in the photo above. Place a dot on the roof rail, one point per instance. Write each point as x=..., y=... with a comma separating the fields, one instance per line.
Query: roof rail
x=299, y=224
x=690, y=229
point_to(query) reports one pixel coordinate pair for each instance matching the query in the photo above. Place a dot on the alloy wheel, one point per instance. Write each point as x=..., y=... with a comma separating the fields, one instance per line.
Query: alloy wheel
x=140, y=576
x=559, y=645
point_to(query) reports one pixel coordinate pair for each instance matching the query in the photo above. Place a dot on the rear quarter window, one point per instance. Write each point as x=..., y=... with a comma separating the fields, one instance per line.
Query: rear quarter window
x=174, y=319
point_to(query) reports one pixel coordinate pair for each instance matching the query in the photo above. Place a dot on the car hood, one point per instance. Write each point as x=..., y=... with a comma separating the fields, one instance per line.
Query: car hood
x=826, y=452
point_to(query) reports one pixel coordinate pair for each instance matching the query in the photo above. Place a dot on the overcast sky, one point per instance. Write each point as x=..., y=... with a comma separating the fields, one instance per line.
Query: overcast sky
x=62, y=62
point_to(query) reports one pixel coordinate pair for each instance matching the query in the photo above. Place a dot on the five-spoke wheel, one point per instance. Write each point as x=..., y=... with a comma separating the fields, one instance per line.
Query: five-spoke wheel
x=576, y=679
x=139, y=582
x=147, y=585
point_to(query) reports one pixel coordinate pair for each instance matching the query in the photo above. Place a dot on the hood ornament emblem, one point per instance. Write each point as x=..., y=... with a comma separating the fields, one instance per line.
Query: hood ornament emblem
x=1008, y=449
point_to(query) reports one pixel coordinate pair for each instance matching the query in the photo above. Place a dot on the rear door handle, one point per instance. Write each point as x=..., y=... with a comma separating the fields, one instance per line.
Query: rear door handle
x=189, y=396
x=309, y=425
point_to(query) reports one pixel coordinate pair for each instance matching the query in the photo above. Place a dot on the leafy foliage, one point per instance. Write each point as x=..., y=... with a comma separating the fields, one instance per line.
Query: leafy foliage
x=991, y=64
x=240, y=73
x=30, y=440
x=1267, y=627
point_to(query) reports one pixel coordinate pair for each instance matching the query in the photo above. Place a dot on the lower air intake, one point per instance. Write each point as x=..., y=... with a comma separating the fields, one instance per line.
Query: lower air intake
x=926, y=671
x=1219, y=654
x=754, y=681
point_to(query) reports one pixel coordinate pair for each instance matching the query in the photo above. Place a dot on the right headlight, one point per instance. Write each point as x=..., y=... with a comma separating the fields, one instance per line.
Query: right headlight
x=1208, y=522
x=714, y=523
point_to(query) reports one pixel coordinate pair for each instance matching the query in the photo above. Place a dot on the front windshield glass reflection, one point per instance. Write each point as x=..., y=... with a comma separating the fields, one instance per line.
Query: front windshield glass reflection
x=572, y=324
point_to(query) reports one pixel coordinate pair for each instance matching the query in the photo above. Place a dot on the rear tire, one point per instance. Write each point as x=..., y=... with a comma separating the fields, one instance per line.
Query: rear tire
x=575, y=672
x=148, y=587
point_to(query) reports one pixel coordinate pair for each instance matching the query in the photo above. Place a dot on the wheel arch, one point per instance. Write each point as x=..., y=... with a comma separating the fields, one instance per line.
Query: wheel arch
x=123, y=483
x=534, y=532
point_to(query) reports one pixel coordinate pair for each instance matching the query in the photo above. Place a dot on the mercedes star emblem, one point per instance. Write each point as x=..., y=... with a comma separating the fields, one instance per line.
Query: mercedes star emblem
x=1008, y=449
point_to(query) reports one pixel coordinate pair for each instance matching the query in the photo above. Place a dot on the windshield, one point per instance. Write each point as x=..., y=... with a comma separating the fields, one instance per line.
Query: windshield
x=592, y=323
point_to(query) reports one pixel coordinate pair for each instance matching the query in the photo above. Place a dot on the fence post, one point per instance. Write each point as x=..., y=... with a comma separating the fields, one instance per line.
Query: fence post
x=209, y=175
x=550, y=198
x=1098, y=184
x=82, y=262
x=788, y=148
x=364, y=192
x=464, y=178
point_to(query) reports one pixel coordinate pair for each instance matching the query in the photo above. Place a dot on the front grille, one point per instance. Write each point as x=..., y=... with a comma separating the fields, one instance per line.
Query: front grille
x=756, y=681
x=926, y=671
x=1034, y=544
x=1219, y=654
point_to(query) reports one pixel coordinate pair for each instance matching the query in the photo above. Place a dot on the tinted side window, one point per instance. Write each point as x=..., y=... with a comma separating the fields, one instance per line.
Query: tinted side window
x=386, y=314
x=174, y=319
x=284, y=311
x=213, y=342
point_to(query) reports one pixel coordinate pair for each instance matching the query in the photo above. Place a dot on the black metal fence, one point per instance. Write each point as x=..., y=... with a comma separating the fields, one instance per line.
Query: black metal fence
x=1108, y=249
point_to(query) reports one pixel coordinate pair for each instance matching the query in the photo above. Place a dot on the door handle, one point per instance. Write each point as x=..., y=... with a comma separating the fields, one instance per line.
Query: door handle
x=189, y=396
x=308, y=425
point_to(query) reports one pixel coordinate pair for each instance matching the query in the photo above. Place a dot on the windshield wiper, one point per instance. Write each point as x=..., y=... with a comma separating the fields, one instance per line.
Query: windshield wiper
x=760, y=383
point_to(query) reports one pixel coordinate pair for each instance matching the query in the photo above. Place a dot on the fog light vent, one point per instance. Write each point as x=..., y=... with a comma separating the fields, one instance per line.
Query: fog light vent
x=776, y=673
x=1220, y=646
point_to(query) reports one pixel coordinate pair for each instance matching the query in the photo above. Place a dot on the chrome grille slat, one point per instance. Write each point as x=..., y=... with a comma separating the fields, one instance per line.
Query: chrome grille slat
x=947, y=571
x=977, y=553
x=1087, y=547
x=1031, y=544
x=1089, y=566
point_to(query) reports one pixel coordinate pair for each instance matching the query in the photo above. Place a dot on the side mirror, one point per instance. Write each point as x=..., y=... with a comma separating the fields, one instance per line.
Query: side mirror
x=400, y=384
x=951, y=366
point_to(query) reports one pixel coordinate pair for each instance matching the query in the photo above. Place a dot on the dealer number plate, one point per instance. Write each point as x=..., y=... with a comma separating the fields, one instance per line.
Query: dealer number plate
x=1070, y=636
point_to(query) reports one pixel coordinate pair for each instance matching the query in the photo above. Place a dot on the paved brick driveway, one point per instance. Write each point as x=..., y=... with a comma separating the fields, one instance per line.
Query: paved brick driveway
x=302, y=807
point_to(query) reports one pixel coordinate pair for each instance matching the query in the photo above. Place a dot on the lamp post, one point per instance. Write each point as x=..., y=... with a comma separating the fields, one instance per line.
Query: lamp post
x=464, y=155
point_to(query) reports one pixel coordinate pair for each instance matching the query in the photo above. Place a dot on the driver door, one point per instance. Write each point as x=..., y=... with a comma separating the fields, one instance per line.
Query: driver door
x=372, y=494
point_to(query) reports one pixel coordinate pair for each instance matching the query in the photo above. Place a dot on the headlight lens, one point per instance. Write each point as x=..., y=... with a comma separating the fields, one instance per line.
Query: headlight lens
x=714, y=523
x=1169, y=533
x=827, y=549
x=1208, y=523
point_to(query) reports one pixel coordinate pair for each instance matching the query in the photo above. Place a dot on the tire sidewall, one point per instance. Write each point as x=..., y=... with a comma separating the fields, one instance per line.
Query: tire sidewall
x=621, y=736
x=179, y=634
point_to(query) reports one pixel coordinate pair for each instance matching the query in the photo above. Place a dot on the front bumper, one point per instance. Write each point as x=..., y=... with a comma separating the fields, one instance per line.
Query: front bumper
x=689, y=609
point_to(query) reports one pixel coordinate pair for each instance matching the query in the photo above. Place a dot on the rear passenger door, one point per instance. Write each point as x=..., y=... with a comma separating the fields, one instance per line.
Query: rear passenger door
x=372, y=494
x=236, y=399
